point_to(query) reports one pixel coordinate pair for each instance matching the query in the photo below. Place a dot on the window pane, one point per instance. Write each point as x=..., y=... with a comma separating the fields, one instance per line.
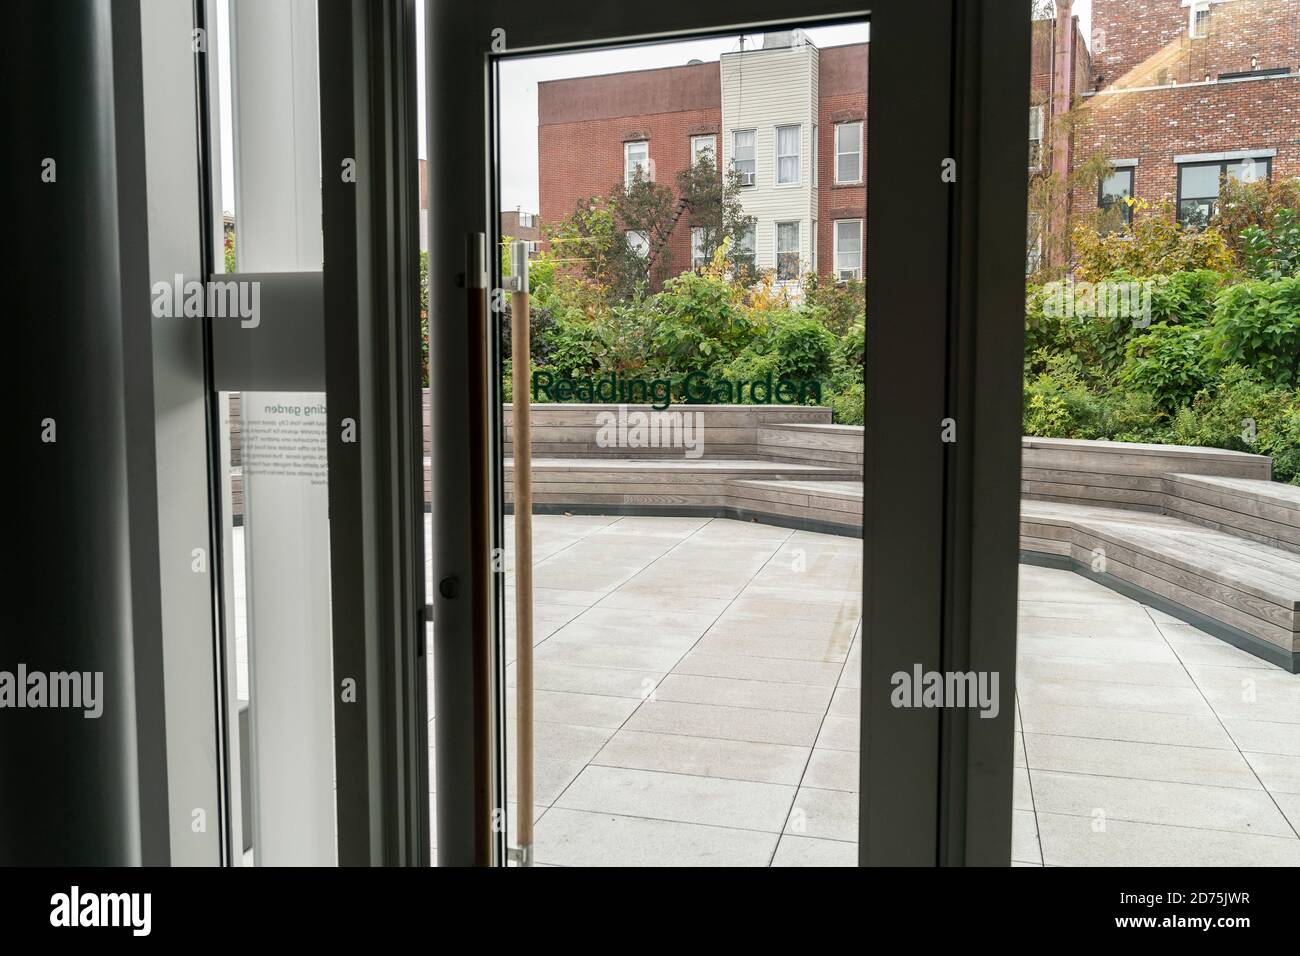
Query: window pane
x=1248, y=170
x=1200, y=182
x=743, y=151
x=787, y=154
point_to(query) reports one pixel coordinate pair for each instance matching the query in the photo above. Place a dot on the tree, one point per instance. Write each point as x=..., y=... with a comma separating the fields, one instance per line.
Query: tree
x=621, y=240
x=713, y=200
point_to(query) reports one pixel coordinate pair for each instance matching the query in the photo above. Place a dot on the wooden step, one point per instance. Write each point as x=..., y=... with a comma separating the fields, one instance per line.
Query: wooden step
x=1263, y=511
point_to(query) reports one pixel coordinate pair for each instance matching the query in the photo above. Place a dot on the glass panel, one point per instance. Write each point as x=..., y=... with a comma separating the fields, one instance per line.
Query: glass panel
x=278, y=601
x=697, y=592
x=1131, y=409
x=848, y=152
x=1200, y=182
x=744, y=157
x=787, y=154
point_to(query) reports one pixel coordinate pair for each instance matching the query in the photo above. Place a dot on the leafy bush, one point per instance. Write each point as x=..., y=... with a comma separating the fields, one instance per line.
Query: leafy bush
x=1257, y=324
x=1169, y=362
x=1245, y=413
x=1153, y=244
x=1273, y=252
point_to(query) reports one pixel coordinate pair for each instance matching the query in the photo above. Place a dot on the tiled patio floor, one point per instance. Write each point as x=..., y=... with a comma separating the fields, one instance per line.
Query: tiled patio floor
x=697, y=700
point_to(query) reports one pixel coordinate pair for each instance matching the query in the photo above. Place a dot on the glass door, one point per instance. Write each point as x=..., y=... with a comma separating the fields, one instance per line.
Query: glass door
x=682, y=536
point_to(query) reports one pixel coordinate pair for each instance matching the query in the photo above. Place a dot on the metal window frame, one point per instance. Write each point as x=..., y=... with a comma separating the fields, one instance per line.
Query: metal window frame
x=1222, y=163
x=372, y=374
x=1127, y=211
x=941, y=534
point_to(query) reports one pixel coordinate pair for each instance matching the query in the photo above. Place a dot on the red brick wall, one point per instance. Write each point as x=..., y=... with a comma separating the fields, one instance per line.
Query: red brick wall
x=842, y=85
x=1153, y=126
x=1146, y=42
x=579, y=160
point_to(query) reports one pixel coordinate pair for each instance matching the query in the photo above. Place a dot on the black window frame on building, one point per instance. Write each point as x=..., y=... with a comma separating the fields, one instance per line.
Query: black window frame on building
x=1106, y=200
x=1223, y=166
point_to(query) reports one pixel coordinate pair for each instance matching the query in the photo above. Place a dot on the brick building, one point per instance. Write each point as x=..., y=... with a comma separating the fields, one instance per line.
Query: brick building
x=1178, y=95
x=789, y=116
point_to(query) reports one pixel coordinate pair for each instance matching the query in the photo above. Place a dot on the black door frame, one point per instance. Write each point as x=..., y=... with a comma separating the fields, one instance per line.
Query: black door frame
x=948, y=81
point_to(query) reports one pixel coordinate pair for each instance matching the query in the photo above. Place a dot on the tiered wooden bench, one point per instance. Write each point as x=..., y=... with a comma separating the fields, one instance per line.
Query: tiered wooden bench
x=1200, y=533
x=782, y=465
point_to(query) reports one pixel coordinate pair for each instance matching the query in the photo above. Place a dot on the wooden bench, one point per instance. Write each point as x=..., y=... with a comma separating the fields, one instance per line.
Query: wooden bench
x=1200, y=533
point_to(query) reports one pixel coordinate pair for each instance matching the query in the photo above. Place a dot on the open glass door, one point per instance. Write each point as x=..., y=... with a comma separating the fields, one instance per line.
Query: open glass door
x=682, y=651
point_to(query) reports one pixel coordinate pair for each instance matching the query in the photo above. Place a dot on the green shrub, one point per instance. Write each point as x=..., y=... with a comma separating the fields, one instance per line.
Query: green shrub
x=1257, y=324
x=1273, y=252
x=1244, y=413
x=1170, y=362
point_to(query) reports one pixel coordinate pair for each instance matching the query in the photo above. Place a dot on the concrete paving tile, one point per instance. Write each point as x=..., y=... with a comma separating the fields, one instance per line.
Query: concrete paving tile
x=832, y=770
x=567, y=837
x=705, y=756
x=727, y=723
x=685, y=798
x=824, y=814
x=1074, y=841
x=730, y=692
x=1151, y=801
x=1116, y=758
x=809, y=851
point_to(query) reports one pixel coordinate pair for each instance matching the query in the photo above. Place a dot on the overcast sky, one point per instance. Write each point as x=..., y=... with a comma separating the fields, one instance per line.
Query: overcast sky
x=519, y=79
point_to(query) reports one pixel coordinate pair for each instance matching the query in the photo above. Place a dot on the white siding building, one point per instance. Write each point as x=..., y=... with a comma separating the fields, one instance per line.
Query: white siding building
x=769, y=127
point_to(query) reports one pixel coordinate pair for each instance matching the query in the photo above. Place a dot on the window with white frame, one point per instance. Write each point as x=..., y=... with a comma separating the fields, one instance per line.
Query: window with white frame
x=701, y=146
x=788, y=147
x=1198, y=21
x=814, y=160
x=787, y=250
x=636, y=159
x=698, y=257
x=814, y=234
x=639, y=242
x=744, y=155
x=742, y=250
x=848, y=152
x=848, y=249
x=1035, y=137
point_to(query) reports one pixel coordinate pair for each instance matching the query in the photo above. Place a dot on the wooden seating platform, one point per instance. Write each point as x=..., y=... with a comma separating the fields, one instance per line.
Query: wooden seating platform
x=1200, y=533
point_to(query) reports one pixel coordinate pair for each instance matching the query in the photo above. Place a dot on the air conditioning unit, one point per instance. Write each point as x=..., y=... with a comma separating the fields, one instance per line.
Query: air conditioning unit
x=846, y=274
x=746, y=179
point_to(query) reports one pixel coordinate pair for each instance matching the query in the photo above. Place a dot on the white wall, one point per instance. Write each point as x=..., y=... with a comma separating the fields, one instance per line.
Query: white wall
x=761, y=90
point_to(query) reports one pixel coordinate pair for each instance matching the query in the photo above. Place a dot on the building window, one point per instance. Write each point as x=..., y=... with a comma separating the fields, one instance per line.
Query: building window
x=1115, y=190
x=1035, y=138
x=527, y=220
x=702, y=145
x=638, y=242
x=636, y=159
x=698, y=258
x=787, y=155
x=848, y=153
x=742, y=253
x=814, y=160
x=848, y=249
x=743, y=158
x=1198, y=21
x=787, y=250
x=815, y=240
x=1198, y=186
